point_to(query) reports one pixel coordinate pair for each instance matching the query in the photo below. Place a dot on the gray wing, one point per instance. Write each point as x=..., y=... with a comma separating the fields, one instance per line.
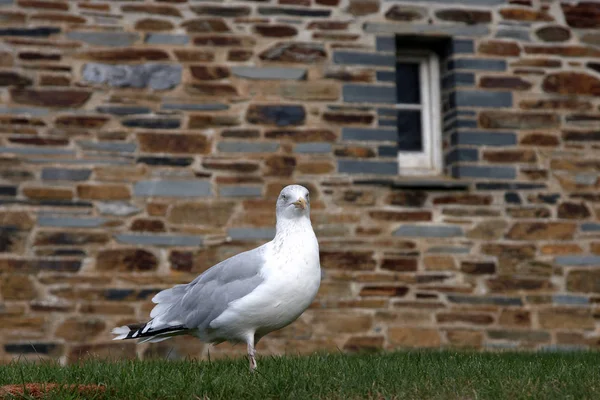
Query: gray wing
x=198, y=303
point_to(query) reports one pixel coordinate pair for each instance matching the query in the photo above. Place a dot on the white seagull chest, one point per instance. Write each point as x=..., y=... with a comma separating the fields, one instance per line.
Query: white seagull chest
x=292, y=279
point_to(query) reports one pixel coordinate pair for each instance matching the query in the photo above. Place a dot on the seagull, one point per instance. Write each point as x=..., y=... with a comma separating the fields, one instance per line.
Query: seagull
x=247, y=296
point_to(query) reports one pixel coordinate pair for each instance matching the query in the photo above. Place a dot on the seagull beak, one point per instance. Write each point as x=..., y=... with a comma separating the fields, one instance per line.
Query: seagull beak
x=300, y=203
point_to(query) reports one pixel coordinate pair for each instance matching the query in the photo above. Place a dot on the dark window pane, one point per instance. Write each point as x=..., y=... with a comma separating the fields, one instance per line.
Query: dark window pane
x=407, y=83
x=410, y=137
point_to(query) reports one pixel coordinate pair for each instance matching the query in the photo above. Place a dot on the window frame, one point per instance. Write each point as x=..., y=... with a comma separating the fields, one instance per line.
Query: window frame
x=428, y=161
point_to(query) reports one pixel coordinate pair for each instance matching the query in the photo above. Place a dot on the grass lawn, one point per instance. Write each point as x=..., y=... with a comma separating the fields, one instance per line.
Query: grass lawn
x=399, y=375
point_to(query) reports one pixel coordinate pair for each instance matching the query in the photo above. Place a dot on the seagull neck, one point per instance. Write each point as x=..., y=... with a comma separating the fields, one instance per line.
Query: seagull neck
x=290, y=226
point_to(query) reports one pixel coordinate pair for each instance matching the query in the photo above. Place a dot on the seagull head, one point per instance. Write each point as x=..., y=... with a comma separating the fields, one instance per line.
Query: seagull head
x=293, y=202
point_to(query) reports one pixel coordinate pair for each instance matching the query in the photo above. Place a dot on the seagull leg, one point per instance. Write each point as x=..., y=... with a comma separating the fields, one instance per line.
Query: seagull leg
x=251, y=355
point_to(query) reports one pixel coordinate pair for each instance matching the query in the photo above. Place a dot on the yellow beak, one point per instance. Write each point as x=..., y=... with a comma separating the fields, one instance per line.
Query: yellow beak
x=300, y=203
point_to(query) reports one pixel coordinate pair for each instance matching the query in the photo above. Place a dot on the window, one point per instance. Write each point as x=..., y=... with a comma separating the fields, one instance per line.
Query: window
x=417, y=113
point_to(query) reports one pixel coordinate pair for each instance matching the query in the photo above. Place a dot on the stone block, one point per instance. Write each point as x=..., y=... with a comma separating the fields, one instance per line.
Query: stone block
x=477, y=64
x=268, y=73
x=159, y=240
x=167, y=39
x=70, y=222
x=109, y=39
x=484, y=171
x=369, y=94
x=313, y=148
x=171, y=188
x=65, y=174
x=247, y=147
x=154, y=76
x=369, y=134
x=431, y=231
x=478, y=98
x=367, y=167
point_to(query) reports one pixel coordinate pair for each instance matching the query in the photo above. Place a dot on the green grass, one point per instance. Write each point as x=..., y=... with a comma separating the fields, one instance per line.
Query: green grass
x=399, y=375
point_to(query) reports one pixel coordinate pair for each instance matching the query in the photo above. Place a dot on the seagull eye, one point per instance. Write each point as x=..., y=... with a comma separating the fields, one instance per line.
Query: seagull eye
x=307, y=197
x=284, y=197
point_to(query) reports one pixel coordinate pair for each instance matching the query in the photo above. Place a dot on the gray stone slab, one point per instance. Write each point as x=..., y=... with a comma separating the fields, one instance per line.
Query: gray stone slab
x=152, y=123
x=159, y=239
x=36, y=151
x=167, y=39
x=251, y=233
x=69, y=222
x=462, y=2
x=370, y=134
x=484, y=171
x=369, y=94
x=110, y=39
x=65, y=174
x=517, y=34
x=586, y=179
x=123, y=110
x=590, y=227
x=493, y=300
x=570, y=300
x=385, y=43
x=484, y=138
x=194, y=107
x=478, y=64
x=34, y=112
x=432, y=231
x=240, y=191
x=457, y=155
x=385, y=76
x=462, y=46
x=578, y=260
x=117, y=208
x=451, y=30
x=167, y=188
x=268, y=73
x=84, y=161
x=458, y=79
x=479, y=98
x=359, y=58
x=119, y=147
x=367, y=167
x=313, y=147
x=247, y=147
x=153, y=75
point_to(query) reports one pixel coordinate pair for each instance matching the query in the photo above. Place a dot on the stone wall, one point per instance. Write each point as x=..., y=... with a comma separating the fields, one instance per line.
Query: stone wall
x=142, y=142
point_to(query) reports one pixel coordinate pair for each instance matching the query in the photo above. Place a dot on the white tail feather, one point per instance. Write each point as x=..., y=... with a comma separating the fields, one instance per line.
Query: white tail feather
x=122, y=331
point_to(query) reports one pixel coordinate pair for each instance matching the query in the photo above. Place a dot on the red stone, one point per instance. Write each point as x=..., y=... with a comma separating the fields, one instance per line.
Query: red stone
x=57, y=17
x=585, y=14
x=465, y=16
x=522, y=14
x=154, y=25
x=278, y=31
x=572, y=83
x=499, y=48
x=125, y=55
x=328, y=25
x=504, y=82
x=50, y=97
x=209, y=73
x=566, y=51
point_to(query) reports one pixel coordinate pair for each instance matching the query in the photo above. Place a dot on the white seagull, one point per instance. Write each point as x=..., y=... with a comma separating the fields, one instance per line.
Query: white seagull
x=245, y=297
